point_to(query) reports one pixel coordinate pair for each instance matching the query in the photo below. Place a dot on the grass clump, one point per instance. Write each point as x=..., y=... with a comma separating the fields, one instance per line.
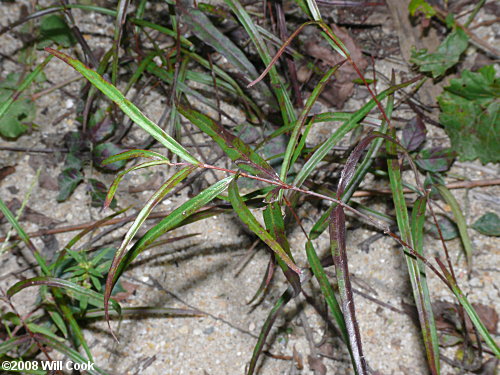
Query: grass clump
x=79, y=284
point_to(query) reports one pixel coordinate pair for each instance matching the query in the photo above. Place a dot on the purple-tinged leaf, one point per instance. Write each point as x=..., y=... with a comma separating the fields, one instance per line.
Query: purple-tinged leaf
x=436, y=159
x=98, y=192
x=239, y=151
x=104, y=151
x=338, y=248
x=352, y=161
x=100, y=126
x=414, y=134
x=68, y=181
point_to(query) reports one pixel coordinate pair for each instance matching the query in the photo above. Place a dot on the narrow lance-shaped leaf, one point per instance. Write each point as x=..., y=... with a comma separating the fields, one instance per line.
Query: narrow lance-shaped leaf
x=170, y=222
x=246, y=158
x=301, y=120
x=126, y=106
x=349, y=125
x=78, y=291
x=203, y=28
x=275, y=224
x=284, y=101
x=337, y=244
x=417, y=275
x=460, y=219
x=119, y=177
x=141, y=217
x=247, y=217
x=327, y=290
x=427, y=321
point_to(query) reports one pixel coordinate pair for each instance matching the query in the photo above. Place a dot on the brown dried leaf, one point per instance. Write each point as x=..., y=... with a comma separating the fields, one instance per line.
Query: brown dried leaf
x=342, y=88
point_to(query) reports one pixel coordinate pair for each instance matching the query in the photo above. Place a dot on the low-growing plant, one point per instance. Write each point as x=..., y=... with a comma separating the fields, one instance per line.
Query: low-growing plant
x=79, y=284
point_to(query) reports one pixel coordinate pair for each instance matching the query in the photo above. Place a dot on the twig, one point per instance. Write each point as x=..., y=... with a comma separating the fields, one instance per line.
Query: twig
x=453, y=185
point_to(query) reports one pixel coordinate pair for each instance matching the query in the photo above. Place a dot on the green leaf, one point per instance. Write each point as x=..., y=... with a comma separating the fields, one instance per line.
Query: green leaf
x=435, y=160
x=146, y=210
x=448, y=229
x=16, y=119
x=421, y=6
x=246, y=158
x=203, y=28
x=247, y=217
x=126, y=106
x=460, y=219
x=273, y=218
x=326, y=289
x=412, y=235
x=173, y=220
x=470, y=114
x=488, y=224
x=72, y=289
x=282, y=95
x=13, y=120
x=68, y=181
x=447, y=54
x=54, y=29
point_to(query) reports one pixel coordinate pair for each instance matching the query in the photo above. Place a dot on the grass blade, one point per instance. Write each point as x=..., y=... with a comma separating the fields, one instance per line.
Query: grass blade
x=247, y=217
x=427, y=322
x=126, y=106
x=75, y=290
x=292, y=143
x=345, y=128
x=284, y=101
x=141, y=217
x=416, y=273
x=119, y=177
x=203, y=28
x=461, y=223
